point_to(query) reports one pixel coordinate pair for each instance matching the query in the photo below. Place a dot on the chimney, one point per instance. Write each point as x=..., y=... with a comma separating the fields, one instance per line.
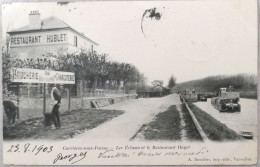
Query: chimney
x=34, y=20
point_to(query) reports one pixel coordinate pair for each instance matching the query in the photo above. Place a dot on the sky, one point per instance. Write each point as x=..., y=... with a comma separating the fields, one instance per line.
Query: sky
x=192, y=40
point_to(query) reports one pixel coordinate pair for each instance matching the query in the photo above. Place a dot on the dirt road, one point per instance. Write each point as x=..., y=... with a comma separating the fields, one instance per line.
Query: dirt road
x=137, y=112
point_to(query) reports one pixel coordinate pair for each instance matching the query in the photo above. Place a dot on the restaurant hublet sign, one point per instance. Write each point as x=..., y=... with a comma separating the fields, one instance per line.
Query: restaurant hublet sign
x=37, y=39
x=27, y=75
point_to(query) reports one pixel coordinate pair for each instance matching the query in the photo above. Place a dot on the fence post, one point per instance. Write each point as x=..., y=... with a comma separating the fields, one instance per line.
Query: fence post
x=81, y=93
x=44, y=100
x=28, y=99
x=68, y=98
x=18, y=101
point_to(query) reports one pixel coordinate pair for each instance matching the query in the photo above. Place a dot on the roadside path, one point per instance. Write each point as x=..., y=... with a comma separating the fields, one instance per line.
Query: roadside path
x=137, y=113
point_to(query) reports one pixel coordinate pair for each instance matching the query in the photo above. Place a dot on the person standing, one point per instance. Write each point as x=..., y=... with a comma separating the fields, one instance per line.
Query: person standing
x=10, y=111
x=56, y=102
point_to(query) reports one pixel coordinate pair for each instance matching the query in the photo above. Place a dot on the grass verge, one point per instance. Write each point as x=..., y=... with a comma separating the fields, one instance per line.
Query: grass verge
x=165, y=126
x=192, y=133
x=213, y=128
x=72, y=123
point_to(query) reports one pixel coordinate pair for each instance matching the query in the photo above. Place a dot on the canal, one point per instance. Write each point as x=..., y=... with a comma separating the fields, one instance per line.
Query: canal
x=246, y=119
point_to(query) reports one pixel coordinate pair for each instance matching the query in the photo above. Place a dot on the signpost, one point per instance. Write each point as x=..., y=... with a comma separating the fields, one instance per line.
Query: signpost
x=27, y=75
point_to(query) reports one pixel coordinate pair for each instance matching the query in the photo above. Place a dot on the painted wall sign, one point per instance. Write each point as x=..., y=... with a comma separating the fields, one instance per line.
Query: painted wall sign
x=25, y=40
x=27, y=75
x=56, y=38
x=37, y=39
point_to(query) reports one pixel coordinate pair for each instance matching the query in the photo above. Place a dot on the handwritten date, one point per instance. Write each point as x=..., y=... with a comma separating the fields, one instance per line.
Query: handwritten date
x=29, y=148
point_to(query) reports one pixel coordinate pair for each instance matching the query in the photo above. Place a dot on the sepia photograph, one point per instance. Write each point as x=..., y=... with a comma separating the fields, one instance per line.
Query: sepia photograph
x=130, y=82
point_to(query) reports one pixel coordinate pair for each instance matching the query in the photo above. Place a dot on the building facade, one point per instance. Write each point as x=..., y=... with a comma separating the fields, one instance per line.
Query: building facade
x=47, y=37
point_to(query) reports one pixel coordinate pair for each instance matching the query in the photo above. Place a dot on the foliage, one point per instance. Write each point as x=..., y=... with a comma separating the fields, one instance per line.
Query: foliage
x=9, y=96
x=213, y=83
x=6, y=64
x=97, y=70
x=144, y=88
x=94, y=69
x=157, y=83
x=172, y=82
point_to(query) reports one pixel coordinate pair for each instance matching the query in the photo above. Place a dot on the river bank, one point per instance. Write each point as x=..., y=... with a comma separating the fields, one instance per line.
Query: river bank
x=213, y=128
x=244, y=93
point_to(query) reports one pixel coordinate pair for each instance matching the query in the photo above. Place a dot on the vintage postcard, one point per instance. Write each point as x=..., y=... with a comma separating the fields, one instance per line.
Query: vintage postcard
x=130, y=82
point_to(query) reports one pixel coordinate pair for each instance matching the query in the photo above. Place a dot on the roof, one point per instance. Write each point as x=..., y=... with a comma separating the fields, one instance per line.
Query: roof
x=47, y=24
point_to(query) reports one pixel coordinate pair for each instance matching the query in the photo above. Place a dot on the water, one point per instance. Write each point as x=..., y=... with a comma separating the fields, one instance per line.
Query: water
x=246, y=119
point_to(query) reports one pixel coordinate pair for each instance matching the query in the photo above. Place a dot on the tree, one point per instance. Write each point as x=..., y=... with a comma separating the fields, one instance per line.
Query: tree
x=172, y=82
x=96, y=70
x=6, y=66
x=157, y=83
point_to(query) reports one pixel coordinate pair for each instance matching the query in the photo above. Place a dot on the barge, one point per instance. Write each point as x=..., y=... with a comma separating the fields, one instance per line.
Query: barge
x=226, y=101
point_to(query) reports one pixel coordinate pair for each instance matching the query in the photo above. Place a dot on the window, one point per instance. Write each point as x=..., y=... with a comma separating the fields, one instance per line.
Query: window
x=75, y=41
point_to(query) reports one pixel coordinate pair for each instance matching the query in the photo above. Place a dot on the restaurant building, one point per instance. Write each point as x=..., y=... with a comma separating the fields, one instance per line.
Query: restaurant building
x=47, y=37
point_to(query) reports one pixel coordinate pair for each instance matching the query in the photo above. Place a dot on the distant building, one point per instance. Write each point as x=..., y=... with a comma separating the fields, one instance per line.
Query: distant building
x=155, y=91
x=47, y=37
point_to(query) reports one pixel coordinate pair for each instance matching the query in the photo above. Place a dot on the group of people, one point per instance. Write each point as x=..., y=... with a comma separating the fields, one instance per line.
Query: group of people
x=11, y=107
